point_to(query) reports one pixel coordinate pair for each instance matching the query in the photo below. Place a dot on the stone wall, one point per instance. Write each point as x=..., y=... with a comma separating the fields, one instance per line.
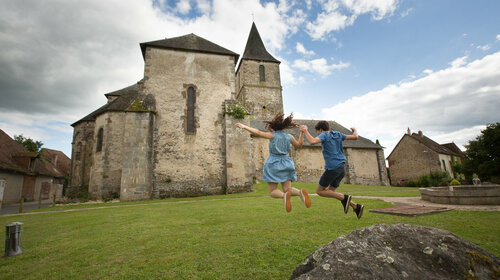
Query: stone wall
x=184, y=163
x=105, y=176
x=263, y=99
x=239, y=155
x=81, y=158
x=260, y=154
x=309, y=163
x=137, y=170
x=410, y=159
x=445, y=163
x=364, y=166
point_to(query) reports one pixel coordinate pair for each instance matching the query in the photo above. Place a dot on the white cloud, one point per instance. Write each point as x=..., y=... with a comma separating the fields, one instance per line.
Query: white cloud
x=183, y=7
x=498, y=37
x=459, y=62
x=427, y=71
x=406, y=12
x=442, y=103
x=301, y=49
x=318, y=66
x=484, y=48
x=337, y=15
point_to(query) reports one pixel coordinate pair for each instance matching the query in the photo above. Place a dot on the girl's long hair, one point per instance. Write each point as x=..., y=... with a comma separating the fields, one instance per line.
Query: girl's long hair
x=279, y=122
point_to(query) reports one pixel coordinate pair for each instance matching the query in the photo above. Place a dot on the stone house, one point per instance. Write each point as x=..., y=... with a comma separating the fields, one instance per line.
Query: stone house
x=170, y=134
x=30, y=175
x=416, y=155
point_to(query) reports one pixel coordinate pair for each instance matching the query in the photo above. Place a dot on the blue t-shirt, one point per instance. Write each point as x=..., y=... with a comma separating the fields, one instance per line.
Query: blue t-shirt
x=331, y=144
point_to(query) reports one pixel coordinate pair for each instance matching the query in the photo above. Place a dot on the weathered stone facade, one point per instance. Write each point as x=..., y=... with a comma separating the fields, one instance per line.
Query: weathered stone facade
x=417, y=155
x=169, y=134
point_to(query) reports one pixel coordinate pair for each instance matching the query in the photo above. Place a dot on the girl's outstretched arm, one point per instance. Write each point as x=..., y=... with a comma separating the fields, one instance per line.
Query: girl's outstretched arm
x=298, y=144
x=255, y=131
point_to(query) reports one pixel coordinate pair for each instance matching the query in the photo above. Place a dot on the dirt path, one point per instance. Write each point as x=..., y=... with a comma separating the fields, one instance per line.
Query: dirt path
x=417, y=201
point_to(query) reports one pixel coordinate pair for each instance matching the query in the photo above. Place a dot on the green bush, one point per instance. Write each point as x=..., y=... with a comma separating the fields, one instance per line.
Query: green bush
x=454, y=182
x=238, y=111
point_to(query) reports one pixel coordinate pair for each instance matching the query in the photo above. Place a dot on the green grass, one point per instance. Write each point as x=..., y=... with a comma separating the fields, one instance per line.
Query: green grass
x=207, y=238
x=259, y=190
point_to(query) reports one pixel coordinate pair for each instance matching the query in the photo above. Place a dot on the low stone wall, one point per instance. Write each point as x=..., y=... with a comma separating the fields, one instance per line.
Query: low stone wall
x=463, y=195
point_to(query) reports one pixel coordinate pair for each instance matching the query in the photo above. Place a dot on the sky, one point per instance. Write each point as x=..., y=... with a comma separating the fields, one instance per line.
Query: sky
x=380, y=66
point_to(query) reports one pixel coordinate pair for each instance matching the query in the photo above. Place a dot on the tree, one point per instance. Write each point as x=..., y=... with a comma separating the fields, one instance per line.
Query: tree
x=28, y=143
x=483, y=154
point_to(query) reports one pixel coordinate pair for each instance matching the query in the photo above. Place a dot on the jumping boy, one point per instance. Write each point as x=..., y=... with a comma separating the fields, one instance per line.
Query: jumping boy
x=331, y=145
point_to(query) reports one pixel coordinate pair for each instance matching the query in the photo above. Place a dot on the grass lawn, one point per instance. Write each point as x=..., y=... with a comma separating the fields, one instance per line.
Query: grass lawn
x=249, y=237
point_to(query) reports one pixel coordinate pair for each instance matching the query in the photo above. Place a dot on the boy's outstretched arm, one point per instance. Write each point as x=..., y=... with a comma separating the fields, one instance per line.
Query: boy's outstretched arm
x=353, y=136
x=255, y=131
x=310, y=139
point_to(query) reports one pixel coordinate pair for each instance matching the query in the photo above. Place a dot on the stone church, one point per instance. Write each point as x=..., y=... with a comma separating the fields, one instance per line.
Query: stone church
x=170, y=134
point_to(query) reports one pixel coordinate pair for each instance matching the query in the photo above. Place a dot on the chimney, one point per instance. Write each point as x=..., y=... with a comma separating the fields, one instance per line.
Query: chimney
x=408, y=131
x=54, y=160
x=420, y=133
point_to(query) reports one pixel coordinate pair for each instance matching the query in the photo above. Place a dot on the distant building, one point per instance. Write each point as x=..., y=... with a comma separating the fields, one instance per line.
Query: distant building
x=416, y=155
x=171, y=135
x=30, y=175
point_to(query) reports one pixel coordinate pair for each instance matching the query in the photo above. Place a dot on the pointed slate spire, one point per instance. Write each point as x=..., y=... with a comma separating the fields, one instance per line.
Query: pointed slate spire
x=255, y=49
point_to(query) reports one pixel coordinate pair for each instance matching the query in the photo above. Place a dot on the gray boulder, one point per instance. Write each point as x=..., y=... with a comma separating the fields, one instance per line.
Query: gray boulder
x=399, y=252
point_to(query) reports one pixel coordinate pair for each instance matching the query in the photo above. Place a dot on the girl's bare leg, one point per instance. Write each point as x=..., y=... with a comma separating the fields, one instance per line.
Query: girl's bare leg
x=287, y=187
x=274, y=191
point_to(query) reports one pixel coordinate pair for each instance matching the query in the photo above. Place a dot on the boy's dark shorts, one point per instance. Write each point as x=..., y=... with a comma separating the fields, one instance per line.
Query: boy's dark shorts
x=332, y=177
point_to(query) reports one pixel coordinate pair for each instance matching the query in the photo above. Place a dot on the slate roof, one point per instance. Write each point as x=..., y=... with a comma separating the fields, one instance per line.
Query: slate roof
x=360, y=143
x=190, y=42
x=255, y=49
x=125, y=97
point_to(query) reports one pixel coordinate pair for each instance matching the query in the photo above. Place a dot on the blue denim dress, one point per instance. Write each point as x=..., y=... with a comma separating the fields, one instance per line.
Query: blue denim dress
x=279, y=166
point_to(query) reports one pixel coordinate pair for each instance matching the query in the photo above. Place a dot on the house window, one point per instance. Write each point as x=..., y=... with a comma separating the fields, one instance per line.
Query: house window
x=191, y=99
x=99, y=140
x=444, y=165
x=262, y=73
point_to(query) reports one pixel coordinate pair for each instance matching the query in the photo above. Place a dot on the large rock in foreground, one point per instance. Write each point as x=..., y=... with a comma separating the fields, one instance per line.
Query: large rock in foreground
x=399, y=252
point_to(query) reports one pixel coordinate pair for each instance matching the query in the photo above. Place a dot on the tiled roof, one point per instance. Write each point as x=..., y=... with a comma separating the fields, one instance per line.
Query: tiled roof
x=9, y=146
x=454, y=148
x=431, y=144
x=360, y=143
x=190, y=42
x=63, y=162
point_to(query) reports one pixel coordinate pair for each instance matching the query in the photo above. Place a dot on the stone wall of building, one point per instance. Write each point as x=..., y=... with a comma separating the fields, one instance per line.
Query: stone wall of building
x=410, y=159
x=186, y=163
x=105, y=176
x=445, y=163
x=13, y=187
x=260, y=154
x=263, y=99
x=81, y=158
x=309, y=163
x=364, y=166
x=239, y=155
x=137, y=171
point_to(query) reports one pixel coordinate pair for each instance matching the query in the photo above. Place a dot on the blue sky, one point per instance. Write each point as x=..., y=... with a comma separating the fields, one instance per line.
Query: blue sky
x=380, y=66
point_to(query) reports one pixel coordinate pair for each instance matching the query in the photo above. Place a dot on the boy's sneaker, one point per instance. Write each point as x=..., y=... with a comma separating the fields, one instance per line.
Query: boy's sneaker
x=304, y=196
x=287, y=202
x=359, y=210
x=345, y=202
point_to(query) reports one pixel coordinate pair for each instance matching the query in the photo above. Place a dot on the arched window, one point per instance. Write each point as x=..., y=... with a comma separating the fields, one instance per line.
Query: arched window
x=78, y=150
x=191, y=99
x=262, y=73
x=99, y=140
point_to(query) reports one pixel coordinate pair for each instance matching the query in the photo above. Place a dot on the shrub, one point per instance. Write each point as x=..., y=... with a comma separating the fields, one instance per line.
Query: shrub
x=238, y=111
x=454, y=182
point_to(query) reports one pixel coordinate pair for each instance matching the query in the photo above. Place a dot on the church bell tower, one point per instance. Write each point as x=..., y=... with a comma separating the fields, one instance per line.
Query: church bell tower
x=258, y=82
